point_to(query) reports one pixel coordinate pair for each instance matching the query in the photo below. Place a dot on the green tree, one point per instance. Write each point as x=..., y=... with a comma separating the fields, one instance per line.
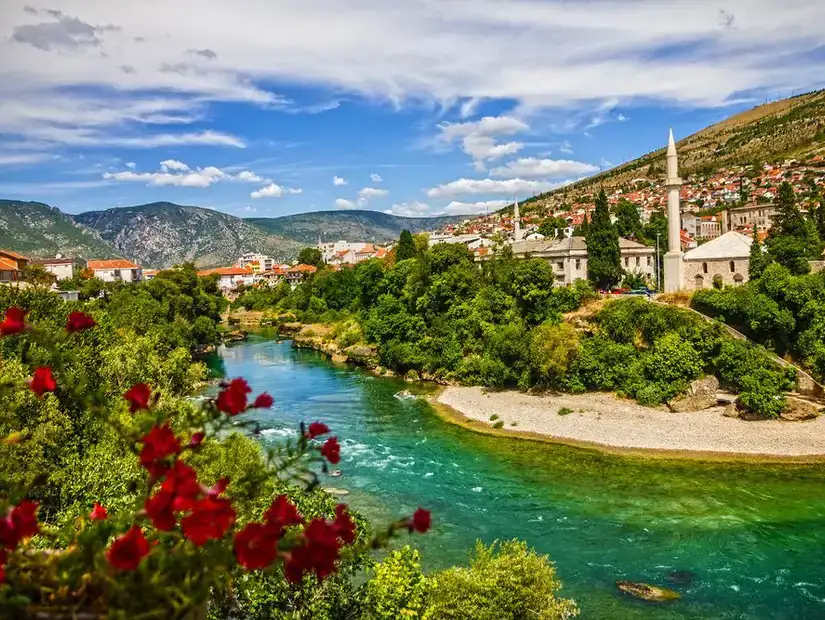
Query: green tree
x=552, y=226
x=37, y=275
x=406, y=246
x=603, y=257
x=819, y=218
x=628, y=221
x=793, y=239
x=581, y=231
x=310, y=256
x=757, y=261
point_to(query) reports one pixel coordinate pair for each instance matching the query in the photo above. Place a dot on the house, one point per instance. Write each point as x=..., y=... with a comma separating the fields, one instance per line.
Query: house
x=747, y=216
x=116, y=270
x=258, y=262
x=299, y=273
x=12, y=265
x=723, y=260
x=709, y=227
x=230, y=277
x=149, y=274
x=689, y=222
x=60, y=268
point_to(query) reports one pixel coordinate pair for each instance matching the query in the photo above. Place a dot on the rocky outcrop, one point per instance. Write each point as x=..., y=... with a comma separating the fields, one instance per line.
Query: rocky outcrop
x=236, y=336
x=799, y=409
x=701, y=394
x=647, y=592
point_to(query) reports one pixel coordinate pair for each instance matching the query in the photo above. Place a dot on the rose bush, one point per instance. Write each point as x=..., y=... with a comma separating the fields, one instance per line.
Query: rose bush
x=183, y=539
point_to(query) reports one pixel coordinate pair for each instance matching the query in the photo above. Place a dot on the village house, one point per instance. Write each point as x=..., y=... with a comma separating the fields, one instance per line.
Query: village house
x=748, y=215
x=259, y=263
x=723, y=260
x=149, y=274
x=230, y=277
x=298, y=273
x=116, y=270
x=60, y=268
x=12, y=265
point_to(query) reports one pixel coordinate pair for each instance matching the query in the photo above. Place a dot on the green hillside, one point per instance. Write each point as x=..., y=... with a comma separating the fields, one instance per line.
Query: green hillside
x=38, y=230
x=352, y=225
x=163, y=234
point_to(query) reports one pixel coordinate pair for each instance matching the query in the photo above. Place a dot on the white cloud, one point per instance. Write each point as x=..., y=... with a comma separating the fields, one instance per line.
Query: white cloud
x=474, y=208
x=376, y=178
x=295, y=190
x=338, y=181
x=343, y=203
x=566, y=148
x=270, y=191
x=250, y=209
x=478, y=138
x=131, y=165
x=368, y=193
x=509, y=187
x=532, y=168
x=409, y=209
x=22, y=159
x=173, y=164
x=249, y=177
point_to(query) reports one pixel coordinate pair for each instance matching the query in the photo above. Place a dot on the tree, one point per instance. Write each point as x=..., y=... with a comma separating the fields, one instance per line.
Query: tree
x=818, y=217
x=406, y=246
x=581, y=231
x=628, y=222
x=792, y=240
x=757, y=261
x=37, y=275
x=551, y=226
x=310, y=256
x=603, y=256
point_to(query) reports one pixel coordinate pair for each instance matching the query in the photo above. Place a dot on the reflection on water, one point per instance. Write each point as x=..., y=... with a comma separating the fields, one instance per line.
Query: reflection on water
x=752, y=535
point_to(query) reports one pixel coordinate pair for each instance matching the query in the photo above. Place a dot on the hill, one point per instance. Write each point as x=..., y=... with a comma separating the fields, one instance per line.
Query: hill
x=40, y=231
x=163, y=234
x=352, y=225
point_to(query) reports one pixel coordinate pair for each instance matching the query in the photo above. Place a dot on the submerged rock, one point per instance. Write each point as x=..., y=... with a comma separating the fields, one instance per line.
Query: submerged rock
x=701, y=394
x=336, y=492
x=680, y=577
x=404, y=395
x=647, y=592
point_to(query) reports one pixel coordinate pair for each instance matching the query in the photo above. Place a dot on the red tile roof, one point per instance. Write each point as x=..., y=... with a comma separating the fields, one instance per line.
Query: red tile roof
x=118, y=263
x=226, y=271
x=7, y=266
x=303, y=268
x=13, y=255
x=52, y=261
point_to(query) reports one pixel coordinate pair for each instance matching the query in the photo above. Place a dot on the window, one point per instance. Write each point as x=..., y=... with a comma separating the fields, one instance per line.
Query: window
x=626, y=261
x=638, y=261
x=732, y=266
x=704, y=267
x=648, y=261
x=116, y=274
x=560, y=265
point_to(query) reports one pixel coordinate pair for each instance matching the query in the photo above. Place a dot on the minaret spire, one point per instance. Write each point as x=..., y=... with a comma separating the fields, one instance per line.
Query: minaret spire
x=517, y=222
x=674, y=266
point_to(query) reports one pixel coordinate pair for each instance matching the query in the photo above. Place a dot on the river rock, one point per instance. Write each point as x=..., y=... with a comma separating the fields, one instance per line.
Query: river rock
x=700, y=395
x=235, y=336
x=336, y=492
x=798, y=409
x=338, y=358
x=731, y=411
x=647, y=592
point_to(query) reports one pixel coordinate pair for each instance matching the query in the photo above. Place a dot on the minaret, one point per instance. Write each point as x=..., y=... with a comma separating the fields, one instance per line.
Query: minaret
x=674, y=265
x=517, y=223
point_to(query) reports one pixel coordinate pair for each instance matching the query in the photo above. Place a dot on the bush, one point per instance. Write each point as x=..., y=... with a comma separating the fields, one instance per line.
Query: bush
x=398, y=588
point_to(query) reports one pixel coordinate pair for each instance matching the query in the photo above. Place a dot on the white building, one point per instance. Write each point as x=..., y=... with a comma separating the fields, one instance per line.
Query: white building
x=117, y=270
x=60, y=268
x=723, y=260
x=230, y=277
x=257, y=262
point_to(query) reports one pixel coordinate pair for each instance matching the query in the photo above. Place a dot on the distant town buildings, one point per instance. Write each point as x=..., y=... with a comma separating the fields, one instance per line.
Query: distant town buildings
x=116, y=270
x=349, y=253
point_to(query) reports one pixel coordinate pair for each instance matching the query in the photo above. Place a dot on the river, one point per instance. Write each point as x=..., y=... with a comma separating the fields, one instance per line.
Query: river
x=753, y=535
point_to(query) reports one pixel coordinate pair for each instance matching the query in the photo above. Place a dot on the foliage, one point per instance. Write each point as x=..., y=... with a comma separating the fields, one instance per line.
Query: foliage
x=398, y=588
x=793, y=240
x=310, y=256
x=406, y=246
x=37, y=275
x=552, y=226
x=628, y=220
x=603, y=257
x=757, y=260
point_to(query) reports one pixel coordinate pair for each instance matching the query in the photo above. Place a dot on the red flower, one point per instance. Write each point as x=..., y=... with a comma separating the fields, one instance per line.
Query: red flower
x=256, y=546
x=218, y=488
x=210, y=519
x=99, y=513
x=42, y=381
x=158, y=443
x=20, y=523
x=128, y=550
x=264, y=401
x=138, y=396
x=282, y=513
x=316, y=429
x=196, y=439
x=344, y=524
x=421, y=521
x=232, y=400
x=78, y=321
x=159, y=510
x=331, y=451
x=14, y=323
x=2, y=566
x=317, y=554
x=182, y=483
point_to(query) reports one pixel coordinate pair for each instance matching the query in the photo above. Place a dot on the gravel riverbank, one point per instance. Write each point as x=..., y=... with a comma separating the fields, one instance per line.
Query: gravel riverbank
x=601, y=419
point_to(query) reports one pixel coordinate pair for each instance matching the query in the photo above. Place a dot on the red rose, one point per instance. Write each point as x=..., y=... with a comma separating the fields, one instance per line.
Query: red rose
x=256, y=546
x=196, y=439
x=344, y=524
x=421, y=521
x=317, y=554
x=331, y=450
x=138, y=396
x=232, y=399
x=282, y=513
x=264, y=401
x=158, y=443
x=78, y=321
x=99, y=513
x=316, y=429
x=14, y=323
x=128, y=550
x=210, y=519
x=42, y=381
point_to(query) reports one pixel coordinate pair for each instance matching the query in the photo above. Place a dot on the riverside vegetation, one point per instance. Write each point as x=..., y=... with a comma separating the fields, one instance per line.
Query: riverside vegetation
x=441, y=316
x=184, y=525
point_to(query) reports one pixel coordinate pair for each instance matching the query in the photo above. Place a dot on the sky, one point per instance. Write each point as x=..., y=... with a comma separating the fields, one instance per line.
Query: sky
x=263, y=108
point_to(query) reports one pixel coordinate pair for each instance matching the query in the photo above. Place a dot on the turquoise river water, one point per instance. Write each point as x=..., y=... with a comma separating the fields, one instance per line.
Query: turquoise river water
x=753, y=535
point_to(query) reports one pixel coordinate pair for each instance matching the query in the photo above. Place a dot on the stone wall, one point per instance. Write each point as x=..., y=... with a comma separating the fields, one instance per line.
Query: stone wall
x=710, y=269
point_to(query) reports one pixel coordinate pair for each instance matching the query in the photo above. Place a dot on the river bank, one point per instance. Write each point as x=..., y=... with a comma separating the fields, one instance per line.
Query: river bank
x=610, y=424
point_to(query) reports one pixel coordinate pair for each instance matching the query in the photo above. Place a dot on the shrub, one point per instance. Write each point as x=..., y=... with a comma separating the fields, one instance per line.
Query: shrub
x=565, y=411
x=499, y=424
x=398, y=588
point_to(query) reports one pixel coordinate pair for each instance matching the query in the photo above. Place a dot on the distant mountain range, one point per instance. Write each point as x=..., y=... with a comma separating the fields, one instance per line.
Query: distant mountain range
x=163, y=234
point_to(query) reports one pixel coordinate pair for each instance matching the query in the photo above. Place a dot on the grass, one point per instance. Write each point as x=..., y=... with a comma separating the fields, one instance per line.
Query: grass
x=493, y=418
x=565, y=411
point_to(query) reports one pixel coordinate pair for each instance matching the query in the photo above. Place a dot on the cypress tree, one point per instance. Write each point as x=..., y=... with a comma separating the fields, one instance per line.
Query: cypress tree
x=603, y=256
x=406, y=246
x=792, y=239
x=757, y=261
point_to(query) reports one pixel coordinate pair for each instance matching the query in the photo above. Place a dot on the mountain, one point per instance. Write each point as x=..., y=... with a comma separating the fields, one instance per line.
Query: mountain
x=353, y=225
x=163, y=234
x=38, y=230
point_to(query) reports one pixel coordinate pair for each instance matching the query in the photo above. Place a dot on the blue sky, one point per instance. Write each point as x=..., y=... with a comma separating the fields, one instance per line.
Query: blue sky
x=267, y=108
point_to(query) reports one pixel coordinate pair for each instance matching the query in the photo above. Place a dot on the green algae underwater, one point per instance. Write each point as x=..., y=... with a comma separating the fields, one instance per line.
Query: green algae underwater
x=749, y=537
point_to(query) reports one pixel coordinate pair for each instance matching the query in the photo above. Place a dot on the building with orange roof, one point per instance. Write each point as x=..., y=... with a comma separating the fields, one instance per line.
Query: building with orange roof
x=115, y=270
x=12, y=265
x=299, y=273
x=230, y=277
x=60, y=268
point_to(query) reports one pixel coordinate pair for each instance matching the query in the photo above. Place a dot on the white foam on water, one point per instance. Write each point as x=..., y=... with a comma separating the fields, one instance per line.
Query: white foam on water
x=428, y=474
x=477, y=489
x=279, y=432
x=538, y=519
x=734, y=587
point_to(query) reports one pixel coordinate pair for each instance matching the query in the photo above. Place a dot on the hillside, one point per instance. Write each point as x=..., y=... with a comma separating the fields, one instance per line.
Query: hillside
x=353, y=225
x=163, y=234
x=40, y=231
